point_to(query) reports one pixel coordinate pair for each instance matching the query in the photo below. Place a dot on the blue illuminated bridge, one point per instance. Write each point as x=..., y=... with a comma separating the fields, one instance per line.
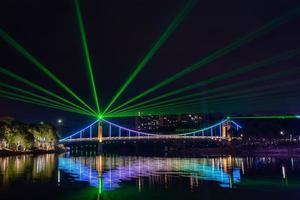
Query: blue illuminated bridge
x=103, y=131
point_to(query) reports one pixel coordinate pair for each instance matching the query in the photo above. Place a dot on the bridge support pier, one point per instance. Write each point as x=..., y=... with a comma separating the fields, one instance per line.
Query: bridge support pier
x=100, y=131
x=100, y=138
x=225, y=130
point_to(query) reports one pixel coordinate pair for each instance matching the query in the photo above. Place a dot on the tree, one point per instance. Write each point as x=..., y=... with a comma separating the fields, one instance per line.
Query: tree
x=16, y=135
x=45, y=135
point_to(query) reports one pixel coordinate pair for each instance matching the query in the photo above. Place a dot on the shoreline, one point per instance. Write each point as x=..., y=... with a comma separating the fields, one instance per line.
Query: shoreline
x=34, y=152
x=195, y=152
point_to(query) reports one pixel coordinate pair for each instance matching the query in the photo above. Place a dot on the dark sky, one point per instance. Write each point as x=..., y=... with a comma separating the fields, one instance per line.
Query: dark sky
x=120, y=32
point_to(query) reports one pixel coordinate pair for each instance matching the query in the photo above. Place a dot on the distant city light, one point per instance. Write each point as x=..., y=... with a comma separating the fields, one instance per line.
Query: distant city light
x=281, y=133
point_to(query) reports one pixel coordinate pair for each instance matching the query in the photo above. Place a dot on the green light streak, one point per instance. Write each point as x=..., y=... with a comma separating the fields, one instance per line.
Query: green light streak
x=99, y=188
x=243, y=100
x=40, y=66
x=100, y=117
x=177, y=108
x=250, y=103
x=229, y=96
x=27, y=82
x=223, y=76
x=37, y=96
x=209, y=91
x=163, y=38
x=22, y=98
x=268, y=117
x=219, y=53
x=87, y=54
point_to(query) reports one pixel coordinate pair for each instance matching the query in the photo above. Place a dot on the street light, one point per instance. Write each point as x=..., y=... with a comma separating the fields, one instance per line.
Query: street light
x=59, y=121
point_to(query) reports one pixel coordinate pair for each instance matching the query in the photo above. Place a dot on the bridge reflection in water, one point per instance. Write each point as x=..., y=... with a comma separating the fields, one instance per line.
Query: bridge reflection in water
x=120, y=177
x=108, y=172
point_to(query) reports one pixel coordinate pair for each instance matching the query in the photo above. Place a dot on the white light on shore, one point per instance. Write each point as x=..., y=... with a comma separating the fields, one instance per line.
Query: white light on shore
x=283, y=172
x=281, y=133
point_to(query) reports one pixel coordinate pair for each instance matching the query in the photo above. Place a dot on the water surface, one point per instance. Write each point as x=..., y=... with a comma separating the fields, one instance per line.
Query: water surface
x=114, y=177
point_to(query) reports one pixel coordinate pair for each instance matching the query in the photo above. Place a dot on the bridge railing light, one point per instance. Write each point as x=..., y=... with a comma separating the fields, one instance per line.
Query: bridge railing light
x=139, y=133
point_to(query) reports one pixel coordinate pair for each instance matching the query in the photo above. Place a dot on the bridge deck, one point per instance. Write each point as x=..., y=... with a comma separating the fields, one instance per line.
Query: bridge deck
x=96, y=139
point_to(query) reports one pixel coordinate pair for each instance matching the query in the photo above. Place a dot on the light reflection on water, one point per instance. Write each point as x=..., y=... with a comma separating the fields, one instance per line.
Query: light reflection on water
x=28, y=167
x=110, y=174
x=114, y=170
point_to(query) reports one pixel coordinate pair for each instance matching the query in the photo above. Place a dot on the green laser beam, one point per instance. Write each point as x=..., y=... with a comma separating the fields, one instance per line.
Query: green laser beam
x=87, y=54
x=163, y=38
x=40, y=66
x=36, y=95
x=293, y=71
x=267, y=117
x=34, y=100
x=230, y=106
x=21, y=98
x=230, y=94
x=190, y=109
x=219, y=89
x=40, y=104
x=37, y=87
x=231, y=99
x=223, y=76
x=176, y=106
x=253, y=104
x=99, y=188
x=194, y=109
x=219, y=53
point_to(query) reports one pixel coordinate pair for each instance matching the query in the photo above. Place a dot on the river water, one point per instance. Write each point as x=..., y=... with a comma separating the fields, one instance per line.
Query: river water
x=112, y=177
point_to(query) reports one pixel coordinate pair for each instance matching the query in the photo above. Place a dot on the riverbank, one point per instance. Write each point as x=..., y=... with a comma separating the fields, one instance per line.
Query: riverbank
x=194, y=152
x=8, y=152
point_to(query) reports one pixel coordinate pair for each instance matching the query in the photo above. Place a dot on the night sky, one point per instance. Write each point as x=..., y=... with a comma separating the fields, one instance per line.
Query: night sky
x=120, y=32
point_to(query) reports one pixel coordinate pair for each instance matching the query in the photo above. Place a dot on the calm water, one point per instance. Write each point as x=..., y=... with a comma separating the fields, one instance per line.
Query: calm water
x=111, y=177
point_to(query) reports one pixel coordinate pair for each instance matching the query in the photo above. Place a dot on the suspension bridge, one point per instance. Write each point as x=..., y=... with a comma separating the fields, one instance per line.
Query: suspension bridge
x=102, y=131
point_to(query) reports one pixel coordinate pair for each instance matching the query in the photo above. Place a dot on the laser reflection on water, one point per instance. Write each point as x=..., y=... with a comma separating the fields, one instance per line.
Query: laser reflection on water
x=123, y=177
x=114, y=170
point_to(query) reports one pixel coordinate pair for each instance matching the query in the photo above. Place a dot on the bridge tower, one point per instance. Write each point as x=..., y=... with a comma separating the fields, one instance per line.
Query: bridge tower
x=100, y=137
x=225, y=130
x=100, y=131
